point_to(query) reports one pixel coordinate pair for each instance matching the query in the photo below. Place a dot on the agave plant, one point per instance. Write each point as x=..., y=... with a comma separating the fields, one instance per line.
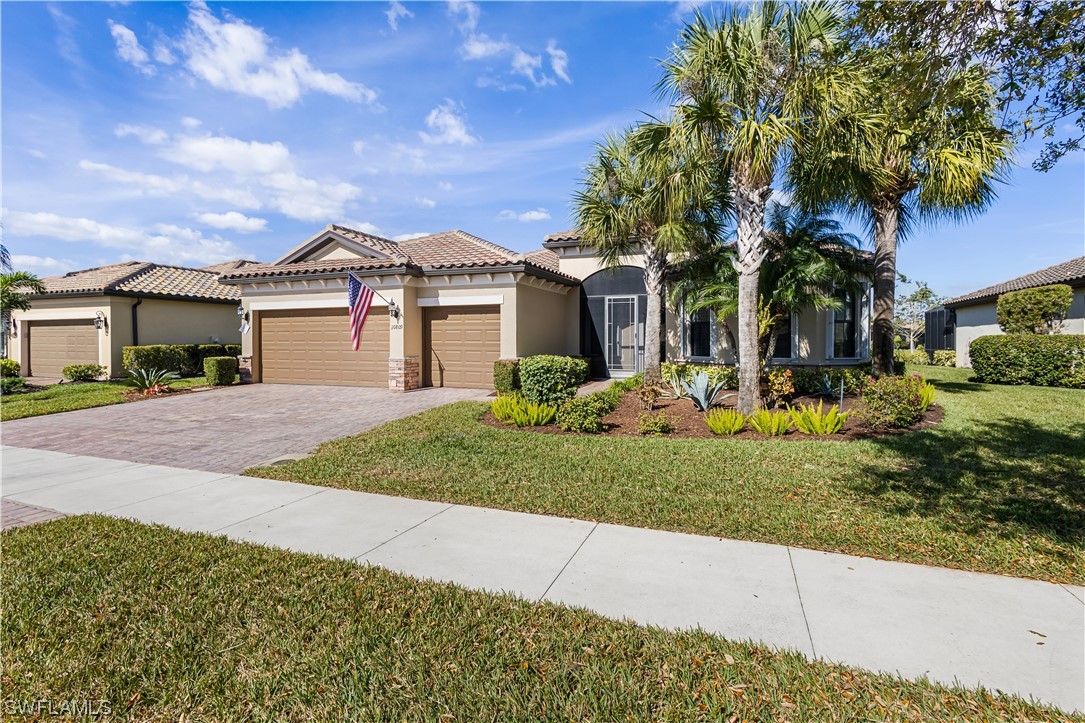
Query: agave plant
x=152, y=381
x=703, y=391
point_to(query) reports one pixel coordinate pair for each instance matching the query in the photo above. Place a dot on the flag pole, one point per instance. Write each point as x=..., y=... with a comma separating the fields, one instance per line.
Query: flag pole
x=391, y=304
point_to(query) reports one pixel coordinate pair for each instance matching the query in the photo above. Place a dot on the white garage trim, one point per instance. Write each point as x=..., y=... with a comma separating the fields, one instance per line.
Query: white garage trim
x=334, y=303
x=461, y=300
x=57, y=314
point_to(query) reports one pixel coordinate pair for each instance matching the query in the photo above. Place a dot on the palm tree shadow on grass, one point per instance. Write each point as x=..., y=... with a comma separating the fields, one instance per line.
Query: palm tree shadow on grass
x=1008, y=477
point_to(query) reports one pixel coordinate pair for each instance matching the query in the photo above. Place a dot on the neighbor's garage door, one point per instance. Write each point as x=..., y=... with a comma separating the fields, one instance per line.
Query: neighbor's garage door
x=312, y=346
x=56, y=344
x=461, y=345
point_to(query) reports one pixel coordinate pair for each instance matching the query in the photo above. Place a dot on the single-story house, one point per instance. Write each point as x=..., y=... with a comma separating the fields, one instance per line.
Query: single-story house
x=450, y=304
x=86, y=317
x=976, y=314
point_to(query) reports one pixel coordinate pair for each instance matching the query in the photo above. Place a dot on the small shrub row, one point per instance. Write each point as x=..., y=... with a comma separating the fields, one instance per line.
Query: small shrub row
x=944, y=358
x=515, y=409
x=507, y=376
x=912, y=356
x=809, y=419
x=770, y=424
x=184, y=359
x=585, y=414
x=726, y=377
x=548, y=379
x=655, y=424
x=725, y=421
x=83, y=372
x=1043, y=360
x=9, y=368
x=890, y=402
x=220, y=370
x=9, y=385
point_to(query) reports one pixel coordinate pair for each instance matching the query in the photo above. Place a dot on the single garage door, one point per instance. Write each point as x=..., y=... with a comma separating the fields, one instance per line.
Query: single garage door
x=312, y=346
x=461, y=344
x=56, y=344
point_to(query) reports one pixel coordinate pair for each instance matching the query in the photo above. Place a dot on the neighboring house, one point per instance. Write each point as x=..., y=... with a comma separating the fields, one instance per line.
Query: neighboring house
x=976, y=314
x=451, y=304
x=86, y=317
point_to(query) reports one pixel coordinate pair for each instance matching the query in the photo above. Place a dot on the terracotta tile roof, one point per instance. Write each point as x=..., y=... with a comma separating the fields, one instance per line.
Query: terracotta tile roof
x=329, y=266
x=572, y=234
x=457, y=249
x=141, y=277
x=545, y=258
x=376, y=243
x=228, y=266
x=1070, y=272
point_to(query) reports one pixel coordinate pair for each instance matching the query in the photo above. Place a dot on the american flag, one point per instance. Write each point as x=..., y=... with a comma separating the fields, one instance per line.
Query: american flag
x=359, y=296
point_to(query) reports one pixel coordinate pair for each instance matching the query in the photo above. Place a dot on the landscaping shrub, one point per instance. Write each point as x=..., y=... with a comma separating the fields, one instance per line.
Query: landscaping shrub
x=648, y=394
x=809, y=419
x=893, y=401
x=168, y=357
x=1040, y=359
x=656, y=424
x=232, y=349
x=725, y=376
x=502, y=407
x=781, y=384
x=83, y=372
x=908, y=356
x=926, y=396
x=944, y=358
x=770, y=424
x=702, y=390
x=585, y=414
x=548, y=379
x=507, y=376
x=151, y=381
x=811, y=380
x=11, y=384
x=725, y=421
x=9, y=368
x=1039, y=310
x=220, y=370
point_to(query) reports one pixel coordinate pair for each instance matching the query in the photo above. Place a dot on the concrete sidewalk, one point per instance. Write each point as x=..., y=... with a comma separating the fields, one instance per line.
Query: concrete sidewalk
x=1014, y=635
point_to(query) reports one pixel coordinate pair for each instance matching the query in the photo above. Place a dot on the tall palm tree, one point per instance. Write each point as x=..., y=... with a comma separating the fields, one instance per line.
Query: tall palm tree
x=809, y=258
x=750, y=89
x=634, y=202
x=937, y=155
x=15, y=287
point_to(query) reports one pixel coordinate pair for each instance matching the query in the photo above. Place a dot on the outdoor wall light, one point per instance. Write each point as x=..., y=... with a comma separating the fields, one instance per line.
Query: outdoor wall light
x=241, y=313
x=393, y=310
x=99, y=320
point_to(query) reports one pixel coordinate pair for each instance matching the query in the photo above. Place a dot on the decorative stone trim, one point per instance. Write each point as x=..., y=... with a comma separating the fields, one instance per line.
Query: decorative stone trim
x=244, y=369
x=404, y=373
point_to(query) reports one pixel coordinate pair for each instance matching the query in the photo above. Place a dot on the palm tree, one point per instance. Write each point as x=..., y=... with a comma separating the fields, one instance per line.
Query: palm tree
x=14, y=289
x=634, y=202
x=809, y=258
x=749, y=90
x=938, y=155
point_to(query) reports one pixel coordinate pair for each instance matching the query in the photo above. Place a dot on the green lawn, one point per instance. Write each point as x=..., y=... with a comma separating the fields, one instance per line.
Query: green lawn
x=165, y=625
x=998, y=487
x=69, y=397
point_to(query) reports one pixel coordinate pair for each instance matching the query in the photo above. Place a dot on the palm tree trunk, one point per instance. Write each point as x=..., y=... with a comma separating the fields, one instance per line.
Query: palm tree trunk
x=750, y=210
x=886, y=227
x=655, y=267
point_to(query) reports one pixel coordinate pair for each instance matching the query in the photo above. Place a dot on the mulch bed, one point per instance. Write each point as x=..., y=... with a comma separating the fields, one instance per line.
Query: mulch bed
x=689, y=423
x=134, y=395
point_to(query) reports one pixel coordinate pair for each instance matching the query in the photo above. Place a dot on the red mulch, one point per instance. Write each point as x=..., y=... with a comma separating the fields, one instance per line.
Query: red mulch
x=689, y=423
x=134, y=395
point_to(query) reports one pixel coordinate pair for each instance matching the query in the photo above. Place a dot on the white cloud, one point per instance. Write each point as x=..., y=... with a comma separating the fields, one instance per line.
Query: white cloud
x=191, y=123
x=686, y=7
x=148, y=184
x=43, y=265
x=410, y=236
x=559, y=61
x=447, y=126
x=233, y=221
x=539, y=214
x=36, y=153
x=163, y=54
x=485, y=81
x=146, y=134
x=208, y=153
x=235, y=56
x=163, y=242
x=359, y=147
x=445, y=185
x=363, y=226
x=425, y=202
x=129, y=49
x=395, y=11
x=466, y=14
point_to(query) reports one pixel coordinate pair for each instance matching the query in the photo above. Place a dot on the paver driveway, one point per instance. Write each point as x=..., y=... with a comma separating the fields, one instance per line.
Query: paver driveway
x=224, y=430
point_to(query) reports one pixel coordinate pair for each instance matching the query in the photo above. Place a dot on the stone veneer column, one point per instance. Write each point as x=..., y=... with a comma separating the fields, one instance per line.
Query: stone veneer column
x=244, y=369
x=404, y=373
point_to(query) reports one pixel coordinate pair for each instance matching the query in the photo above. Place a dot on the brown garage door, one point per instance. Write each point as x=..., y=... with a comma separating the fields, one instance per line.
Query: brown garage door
x=56, y=344
x=312, y=346
x=461, y=344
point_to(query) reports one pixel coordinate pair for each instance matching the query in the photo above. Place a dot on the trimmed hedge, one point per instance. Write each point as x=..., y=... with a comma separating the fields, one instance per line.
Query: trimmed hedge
x=944, y=358
x=1056, y=360
x=547, y=379
x=9, y=368
x=220, y=370
x=82, y=372
x=184, y=359
x=507, y=376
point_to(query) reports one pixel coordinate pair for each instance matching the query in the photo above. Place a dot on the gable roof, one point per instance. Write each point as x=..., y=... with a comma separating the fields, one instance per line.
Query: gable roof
x=142, y=278
x=447, y=251
x=228, y=265
x=1070, y=272
x=563, y=238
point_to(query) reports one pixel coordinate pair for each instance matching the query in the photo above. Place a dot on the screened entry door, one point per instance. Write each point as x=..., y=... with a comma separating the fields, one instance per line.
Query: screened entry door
x=623, y=340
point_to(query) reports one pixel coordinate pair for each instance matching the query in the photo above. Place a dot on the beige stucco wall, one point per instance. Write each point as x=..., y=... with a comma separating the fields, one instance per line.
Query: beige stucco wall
x=185, y=322
x=543, y=321
x=85, y=307
x=982, y=320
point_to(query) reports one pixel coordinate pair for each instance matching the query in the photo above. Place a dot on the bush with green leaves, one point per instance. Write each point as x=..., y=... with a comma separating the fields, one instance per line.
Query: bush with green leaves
x=809, y=419
x=1038, y=359
x=725, y=421
x=185, y=359
x=515, y=409
x=726, y=376
x=770, y=424
x=926, y=396
x=152, y=381
x=781, y=384
x=504, y=404
x=9, y=368
x=812, y=380
x=912, y=356
x=893, y=401
x=9, y=385
x=1039, y=310
x=83, y=372
x=232, y=349
x=548, y=379
x=944, y=358
x=585, y=414
x=220, y=370
x=507, y=376
x=655, y=424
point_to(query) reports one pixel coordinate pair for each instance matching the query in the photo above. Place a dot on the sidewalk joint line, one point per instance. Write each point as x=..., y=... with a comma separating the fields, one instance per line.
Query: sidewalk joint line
x=273, y=509
x=396, y=536
x=798, y=592
x=164, y=494
x=1071, y=593
x=547, y=590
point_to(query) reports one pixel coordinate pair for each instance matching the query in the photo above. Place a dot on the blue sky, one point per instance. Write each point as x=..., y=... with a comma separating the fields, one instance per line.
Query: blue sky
x=192, y=133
